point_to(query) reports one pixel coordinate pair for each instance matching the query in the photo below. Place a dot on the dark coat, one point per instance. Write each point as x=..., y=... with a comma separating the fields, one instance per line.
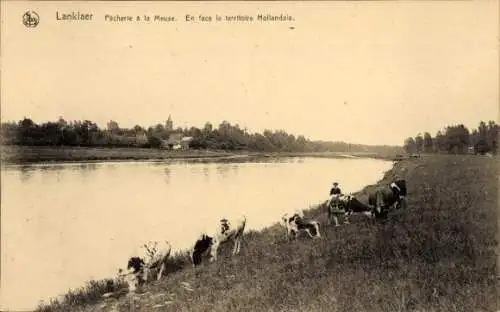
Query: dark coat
x=354, y=205
x=347, y=207
x=335, y=191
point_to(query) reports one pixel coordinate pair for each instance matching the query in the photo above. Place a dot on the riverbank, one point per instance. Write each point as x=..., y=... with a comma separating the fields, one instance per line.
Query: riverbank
x=436, y=255
x=44, y=154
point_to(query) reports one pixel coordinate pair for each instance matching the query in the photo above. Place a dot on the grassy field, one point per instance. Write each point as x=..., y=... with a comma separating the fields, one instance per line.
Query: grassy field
x=436, y=255
x=44, y=154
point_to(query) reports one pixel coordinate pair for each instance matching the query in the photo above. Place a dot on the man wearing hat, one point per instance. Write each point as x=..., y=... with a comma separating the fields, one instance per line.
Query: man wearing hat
x=334, y=201
x=335, y=190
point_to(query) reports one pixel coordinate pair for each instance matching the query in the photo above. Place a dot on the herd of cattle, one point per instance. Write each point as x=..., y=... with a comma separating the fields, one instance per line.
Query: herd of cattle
x=155, y=255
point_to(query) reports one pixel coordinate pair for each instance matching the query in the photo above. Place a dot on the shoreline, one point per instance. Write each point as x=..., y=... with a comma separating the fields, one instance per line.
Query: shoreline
x=26, y=155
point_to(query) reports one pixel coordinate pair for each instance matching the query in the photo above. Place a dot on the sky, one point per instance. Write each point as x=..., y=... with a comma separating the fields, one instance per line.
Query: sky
x=363, y=72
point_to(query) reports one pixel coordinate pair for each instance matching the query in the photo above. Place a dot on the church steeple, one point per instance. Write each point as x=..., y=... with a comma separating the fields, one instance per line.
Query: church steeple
x=169, y=125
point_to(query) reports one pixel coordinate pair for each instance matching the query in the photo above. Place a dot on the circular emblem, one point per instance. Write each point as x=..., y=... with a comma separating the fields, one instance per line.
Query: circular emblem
x=31, y=19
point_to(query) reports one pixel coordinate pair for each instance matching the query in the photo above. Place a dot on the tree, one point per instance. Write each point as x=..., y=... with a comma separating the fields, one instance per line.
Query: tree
x=207, y=128
x=439, y=142
x=419, y=143
x=492, y=136
x=113, y=126
x=410, y=145
x=154, y=141
x=138, y=129
x=301, y=143
x=457, y=139
x=428, y=143
x=474, y=137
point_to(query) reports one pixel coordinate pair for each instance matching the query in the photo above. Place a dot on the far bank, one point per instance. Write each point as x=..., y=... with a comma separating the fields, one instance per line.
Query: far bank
x=43, y=154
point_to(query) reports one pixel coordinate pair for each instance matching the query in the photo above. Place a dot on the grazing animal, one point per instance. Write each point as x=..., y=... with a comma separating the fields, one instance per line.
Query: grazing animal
x=385, y=198
x=347, y=205
x=209, y=244
x=295, y=223
x=355, y=206
x=154, y=256
x=287, y=218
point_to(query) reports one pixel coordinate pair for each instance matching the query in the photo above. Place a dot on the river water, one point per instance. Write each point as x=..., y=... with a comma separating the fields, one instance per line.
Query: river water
x=65, y=224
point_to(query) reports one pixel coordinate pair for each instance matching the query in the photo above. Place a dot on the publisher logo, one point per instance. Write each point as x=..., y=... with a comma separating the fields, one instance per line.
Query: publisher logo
x=31, y=19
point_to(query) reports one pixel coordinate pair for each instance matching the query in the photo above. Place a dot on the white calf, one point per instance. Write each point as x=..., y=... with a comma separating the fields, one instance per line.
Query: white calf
x=296, y=222
x=153, y=255
x=227, y=231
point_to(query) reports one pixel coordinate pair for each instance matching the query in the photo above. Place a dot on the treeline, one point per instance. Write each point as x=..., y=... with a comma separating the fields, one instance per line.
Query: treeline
x=456, y=139
x=224, y=137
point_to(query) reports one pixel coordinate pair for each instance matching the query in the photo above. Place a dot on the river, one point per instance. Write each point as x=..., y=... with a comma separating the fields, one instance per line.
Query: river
x=64, y=224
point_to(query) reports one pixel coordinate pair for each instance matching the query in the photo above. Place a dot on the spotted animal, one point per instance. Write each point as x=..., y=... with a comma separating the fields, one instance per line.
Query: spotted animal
x=208, y=244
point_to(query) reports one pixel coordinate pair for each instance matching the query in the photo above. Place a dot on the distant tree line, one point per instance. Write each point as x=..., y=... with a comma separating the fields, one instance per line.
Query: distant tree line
x=224, y=137
x=456, y=139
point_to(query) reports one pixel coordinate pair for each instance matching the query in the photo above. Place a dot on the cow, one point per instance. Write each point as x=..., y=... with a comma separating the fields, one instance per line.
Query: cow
x=295, y=223
x=346, y=205
x=387, y=197
x=355, y=206
x=228, y=230
x=288, y=217
x=153, y=256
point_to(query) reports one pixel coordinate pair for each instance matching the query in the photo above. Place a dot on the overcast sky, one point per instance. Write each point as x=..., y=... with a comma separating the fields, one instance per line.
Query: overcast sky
x=365, y=72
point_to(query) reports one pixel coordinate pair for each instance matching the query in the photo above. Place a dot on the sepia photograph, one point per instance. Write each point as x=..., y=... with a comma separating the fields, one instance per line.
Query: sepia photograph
x=274, y=156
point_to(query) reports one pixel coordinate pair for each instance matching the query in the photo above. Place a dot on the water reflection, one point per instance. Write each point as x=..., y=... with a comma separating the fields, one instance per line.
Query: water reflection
x=206, y=172
x=234, y=169
x=25, y=173
x=222, y=170
x=85, y=169
x=167, y=173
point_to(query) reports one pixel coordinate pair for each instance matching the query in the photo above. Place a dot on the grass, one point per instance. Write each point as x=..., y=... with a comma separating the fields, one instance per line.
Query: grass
x=436, y=255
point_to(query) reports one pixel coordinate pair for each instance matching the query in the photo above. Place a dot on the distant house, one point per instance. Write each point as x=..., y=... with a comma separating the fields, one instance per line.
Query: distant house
x=175, y=141
x=141, y=138
x=174, y=138
x=185, y=142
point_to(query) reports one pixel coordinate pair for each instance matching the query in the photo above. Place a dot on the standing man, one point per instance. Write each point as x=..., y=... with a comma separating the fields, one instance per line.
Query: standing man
x=335, y=190
x=333, y=202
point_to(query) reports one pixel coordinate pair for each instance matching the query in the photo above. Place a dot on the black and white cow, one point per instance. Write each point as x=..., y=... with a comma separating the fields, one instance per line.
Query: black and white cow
x=346, y=205
x=228, y=230
x=295, y=223
x=153, y=256
x=355, y=206
x=387, y=197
